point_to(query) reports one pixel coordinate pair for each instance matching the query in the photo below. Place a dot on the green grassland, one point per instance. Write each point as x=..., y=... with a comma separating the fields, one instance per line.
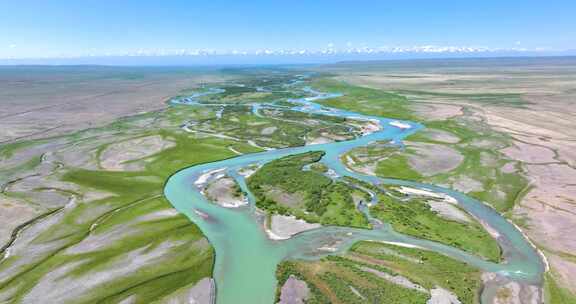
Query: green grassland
x=322, y=200
x=415, y=218
x=132, y=198
x=289, y=128
x=364, y=100
x=397, y=166
x=330, y=279
x=482, y=163
x=186, y=256
x=499, y=189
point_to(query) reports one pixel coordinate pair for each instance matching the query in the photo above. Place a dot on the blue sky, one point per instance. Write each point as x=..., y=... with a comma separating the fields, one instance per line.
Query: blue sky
x=58, y=27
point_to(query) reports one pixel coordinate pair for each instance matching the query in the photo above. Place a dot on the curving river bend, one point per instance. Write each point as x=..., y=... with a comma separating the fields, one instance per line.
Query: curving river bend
x=246, y=258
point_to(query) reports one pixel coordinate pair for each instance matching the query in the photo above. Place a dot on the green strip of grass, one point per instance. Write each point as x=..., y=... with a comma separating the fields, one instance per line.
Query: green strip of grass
x=554, y=294
x=433, y=269
x=415, y=218
x=397, y=166
x=364, y=100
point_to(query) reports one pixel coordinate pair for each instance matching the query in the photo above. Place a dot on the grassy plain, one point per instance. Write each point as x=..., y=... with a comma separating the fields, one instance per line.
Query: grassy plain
x=524, y=106
x=368, y=270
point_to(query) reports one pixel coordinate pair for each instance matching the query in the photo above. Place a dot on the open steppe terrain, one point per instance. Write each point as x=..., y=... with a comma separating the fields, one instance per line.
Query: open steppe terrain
x=531, y=102
x=43, y=101
x=87, y=153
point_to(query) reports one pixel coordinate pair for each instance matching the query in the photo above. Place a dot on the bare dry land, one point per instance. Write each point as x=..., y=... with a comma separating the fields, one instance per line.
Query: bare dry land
x=46, y=101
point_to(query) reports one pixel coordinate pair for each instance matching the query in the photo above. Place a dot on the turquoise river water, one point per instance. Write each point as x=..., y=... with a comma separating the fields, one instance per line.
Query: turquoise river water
x=246, y=258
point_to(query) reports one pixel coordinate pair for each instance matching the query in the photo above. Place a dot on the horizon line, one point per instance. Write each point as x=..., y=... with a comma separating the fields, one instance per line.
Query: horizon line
x=18, y=62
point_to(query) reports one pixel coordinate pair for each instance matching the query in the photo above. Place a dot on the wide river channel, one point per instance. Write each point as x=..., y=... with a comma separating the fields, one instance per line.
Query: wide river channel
x=246, y=259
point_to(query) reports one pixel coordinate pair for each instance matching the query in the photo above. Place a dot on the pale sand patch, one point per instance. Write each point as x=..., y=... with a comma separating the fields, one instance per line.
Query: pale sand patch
x=396, y=279
x=284, y=198
x=488, y=160
x=400, y=125
x=114, y=157
x=294, y=291
x=515, y=293
x=7, y=294
x=14, y=213
x=27, y=249
x=440, y=136
x=419, y=192
x=501, y=290
x=256, y=123
x=202, y=179
x=550, y=129
x=46, y=199
x=97, y=240
x=254, y=144
x=335, y=137
x=398, y=244
x=466, y=184
x=129, y=300
x=283, y=227
x=449, y=211
x=432, y=112
x=318, y=141
x=350, y=160
x=247, y=171
x=529, y=153
x=57, y=287
x=368, y=169
x=268, y=130
x=157, y=215
x=432, y=159
x=563, y=270
x=508, y=168
x=221, y=191
x=439, y=295
x=443, y=204
x=486, y=143
x=357, y=293
x=234, y=150
x=201, y=293
x=550, y=210
x=366, y=126
x=565, y=147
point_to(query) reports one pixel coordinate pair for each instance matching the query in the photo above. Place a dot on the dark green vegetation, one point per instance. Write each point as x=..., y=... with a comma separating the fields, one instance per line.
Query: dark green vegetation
x=281, y=186
x=274, y=127
x=366, y=267
x=257, y=86
x=414, y=217
x=364, y=100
